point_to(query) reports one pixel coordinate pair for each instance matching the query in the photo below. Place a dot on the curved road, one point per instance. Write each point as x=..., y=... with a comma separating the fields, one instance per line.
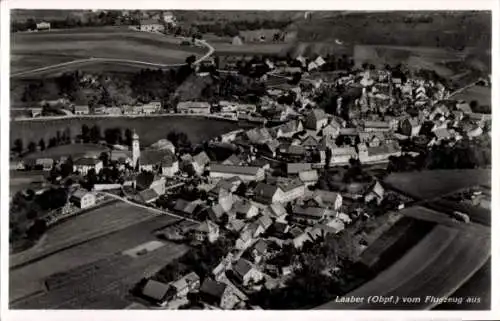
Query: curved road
x=211, y=50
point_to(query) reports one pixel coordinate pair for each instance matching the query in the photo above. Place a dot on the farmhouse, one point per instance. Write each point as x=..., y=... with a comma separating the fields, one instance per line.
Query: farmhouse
x=207, y=230
x=245, y=173
x=81, y=110
x=342, y=155
x=43, y=25
x=83, y=199
x=85, y=164
x=377, y=154
x=218, y=294
x=157, y=292
x=410, y=127
x=246, y=273
x=193, y=107
x=308, y=215
x=316, y=119
x=151, y=25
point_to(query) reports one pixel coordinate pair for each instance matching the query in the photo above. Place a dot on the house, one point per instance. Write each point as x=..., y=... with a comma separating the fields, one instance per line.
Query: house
x=377, y=126
x=379, y=154
x=283, y=192
x=45, y=164
x=199, y=162
x=186, y=207
x=328, y=199
x=151, y=25
x=148, y=195
x=373, y=139
x=295, y=168
x=81, y=110
x=258, y=135
x=475, y=132
x=374, y=192
x=290, y=128
x=259, y=250
x=235, y=225
x=169, y=18
x=188, y=283
x=246, y=273
x=157, y=292
x=277, y=211
x=292, y=189
x=464, y=107
x=309, y=143
x=310, y=177
x=292, y=152
x=43, y=25
x=233, y=160
x=265, y=221
x=193, y=107
x=342, y=155
x=245, y=239
x=442, y=134
x=83, y=199
x=245, y=209
x=113, y=111
x=316, y=119
x=216, y=212
x=36, y=112
x=236, y=41
x=158, y=160
x=410, y=127
x=229, y=184
x=280, y=229
x=330, y=130
x=218, y=294
x=85, y=164
x=152, y=107
x=307, y=215
x=99, y=110
x=207, y=230
x=245, y=173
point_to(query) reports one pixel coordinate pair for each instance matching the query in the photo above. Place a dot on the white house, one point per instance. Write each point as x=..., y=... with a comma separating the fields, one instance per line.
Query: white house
x=193, y=107
x=83, y=199
x=85, y=164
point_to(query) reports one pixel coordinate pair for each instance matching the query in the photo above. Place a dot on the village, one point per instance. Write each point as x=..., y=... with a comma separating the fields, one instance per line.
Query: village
x=259, y=206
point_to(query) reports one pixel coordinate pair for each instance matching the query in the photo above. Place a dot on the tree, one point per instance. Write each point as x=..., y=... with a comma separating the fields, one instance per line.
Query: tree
x=67, y=167
x=85, y=133
x=104, y=157
x=18, y=146
x=41, y=143
x=190, y=60
x=95, y=134
x=31, y=147
x=128, y=137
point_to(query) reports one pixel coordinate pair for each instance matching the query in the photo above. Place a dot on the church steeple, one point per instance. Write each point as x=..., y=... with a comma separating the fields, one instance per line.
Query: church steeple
x=136, y=150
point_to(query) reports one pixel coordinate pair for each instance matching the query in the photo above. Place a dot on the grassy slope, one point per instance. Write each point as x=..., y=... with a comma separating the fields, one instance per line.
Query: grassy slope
x=109, y=42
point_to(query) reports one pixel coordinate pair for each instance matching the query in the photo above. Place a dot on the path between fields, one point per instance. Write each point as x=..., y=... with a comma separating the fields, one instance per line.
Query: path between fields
x=211, y=50
x=149, y=208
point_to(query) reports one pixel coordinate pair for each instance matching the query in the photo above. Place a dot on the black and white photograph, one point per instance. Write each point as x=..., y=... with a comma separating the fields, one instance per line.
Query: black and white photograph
x=250, y=159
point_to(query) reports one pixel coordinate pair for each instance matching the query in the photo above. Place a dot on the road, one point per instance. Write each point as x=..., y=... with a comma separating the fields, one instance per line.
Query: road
x=149, y=208
x=211, y=50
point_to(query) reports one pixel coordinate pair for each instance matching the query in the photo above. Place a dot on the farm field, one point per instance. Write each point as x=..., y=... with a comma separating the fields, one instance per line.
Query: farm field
x=28, y=279
x=60, y=46
x=92, y=224
x=227, y=49
x=20, y=180
x=480, y=94
x=116, y=274
x=436, y=183
x=75, y=150
x=149, y=129
x=475, y=213
x=438, y=265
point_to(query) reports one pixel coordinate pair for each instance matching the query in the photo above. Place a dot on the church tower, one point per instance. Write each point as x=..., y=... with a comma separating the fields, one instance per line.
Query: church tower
x=136, y=150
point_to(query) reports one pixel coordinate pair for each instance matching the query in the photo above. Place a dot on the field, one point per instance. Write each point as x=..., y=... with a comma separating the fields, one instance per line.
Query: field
x=480, y=94
x=54, y=47
x=29, y=278
x=413, y=57
x=435, y=183
x=92, y=224
x=75, y=150
x=149, y=129
x=228, y=49
x=21, y=180
x=437, y=266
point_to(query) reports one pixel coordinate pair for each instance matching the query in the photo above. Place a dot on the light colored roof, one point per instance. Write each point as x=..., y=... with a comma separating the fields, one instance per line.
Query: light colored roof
x=309, y=176
x=185, y=281
x=294, y=168
x=148, y=194
x=80, y=193
x=383, y=149
x=376, y=124
x=201, y=159
x=317, y=114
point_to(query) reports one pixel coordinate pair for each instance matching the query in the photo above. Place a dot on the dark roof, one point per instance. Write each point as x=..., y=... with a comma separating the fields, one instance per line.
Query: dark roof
x=87, y=161
x=288, y=185
x=157, y=156
x=309, y=211
x=265, y=190
x=213, y=288
x=201, y=158
x=242, y=267
x=234, y=169
x=317, y=114
x=144, y=180
x=261, y=246
x=155, y=290
x=148, y=194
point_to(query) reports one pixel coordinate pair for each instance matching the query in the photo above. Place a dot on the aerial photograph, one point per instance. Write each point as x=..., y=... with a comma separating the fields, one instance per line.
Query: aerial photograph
x=250, y=160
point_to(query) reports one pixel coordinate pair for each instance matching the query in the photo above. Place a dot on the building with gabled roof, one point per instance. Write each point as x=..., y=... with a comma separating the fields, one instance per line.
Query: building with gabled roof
x=245, y=173
x=316, y=119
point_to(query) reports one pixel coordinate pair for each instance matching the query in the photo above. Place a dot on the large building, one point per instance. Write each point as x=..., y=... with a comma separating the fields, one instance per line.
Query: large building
x=151, y=25
x=245, y=173
x=193, y=107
